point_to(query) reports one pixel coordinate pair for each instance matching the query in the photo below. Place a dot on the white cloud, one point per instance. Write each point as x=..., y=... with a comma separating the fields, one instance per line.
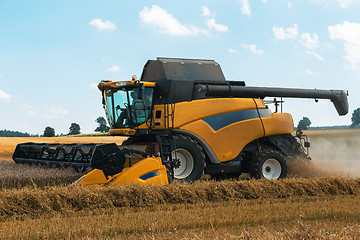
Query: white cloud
x=114, y=68
x=50, y=117
x=205, y=12
x=347, y=3
x=94, y=86
x=340, y=3
x=58, y=110
x=310, y=42
x=218, y=27
x=28, y=108
x=161, y=20
x=253, y=48
x=102, y=25
x=289, y=4
x=264, y=1
x=4, y=97
x=315, y=54
x=245, y=7
x=308, y=72
x=232, y=50
x=288, y=33
x=350, y=33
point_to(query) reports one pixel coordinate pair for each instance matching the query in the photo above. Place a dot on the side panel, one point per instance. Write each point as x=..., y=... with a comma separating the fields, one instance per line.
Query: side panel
x=228, y=141
x=278, y=123
x=187, y=112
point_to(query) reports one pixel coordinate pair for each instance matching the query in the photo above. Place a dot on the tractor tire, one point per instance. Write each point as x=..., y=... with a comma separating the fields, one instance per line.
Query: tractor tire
x=189, y=160
x=268, y=165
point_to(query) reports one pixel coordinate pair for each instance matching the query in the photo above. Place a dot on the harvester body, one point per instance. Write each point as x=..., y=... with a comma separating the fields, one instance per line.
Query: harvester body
x=189, y=120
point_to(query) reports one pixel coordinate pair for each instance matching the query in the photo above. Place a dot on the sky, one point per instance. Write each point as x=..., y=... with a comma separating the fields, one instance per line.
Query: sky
x=54, y=53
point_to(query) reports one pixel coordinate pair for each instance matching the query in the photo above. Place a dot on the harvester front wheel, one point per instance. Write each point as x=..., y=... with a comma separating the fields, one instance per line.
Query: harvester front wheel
x=189, y=163
x=268, y=165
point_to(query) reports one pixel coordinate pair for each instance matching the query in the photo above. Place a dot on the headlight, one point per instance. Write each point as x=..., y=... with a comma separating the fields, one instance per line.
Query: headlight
x=119, y=84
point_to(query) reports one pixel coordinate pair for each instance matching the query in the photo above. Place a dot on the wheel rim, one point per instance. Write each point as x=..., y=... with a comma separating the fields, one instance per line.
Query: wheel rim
x=185, y=163
x=271, y=169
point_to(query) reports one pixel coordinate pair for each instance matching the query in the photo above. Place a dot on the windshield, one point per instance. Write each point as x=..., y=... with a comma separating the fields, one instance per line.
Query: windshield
x=125, y=110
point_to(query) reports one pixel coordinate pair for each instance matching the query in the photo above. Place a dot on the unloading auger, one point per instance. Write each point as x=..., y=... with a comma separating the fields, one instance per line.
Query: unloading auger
x=183, y=119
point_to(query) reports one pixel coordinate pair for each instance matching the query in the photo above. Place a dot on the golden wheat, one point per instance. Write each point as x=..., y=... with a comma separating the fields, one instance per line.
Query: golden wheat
x=322, y=217
x=36, y=202
x=14, y=175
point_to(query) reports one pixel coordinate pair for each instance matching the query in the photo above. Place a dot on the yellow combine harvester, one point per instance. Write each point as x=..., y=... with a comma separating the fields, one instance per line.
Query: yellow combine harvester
x=183, y=119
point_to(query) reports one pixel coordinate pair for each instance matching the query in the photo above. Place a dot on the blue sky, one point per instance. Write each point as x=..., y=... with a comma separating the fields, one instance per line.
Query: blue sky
x=53, y=53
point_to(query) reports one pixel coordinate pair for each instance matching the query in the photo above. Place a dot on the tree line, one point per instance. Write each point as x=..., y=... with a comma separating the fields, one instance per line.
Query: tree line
x=74, y=129
x=9, y=133
x=305, y=122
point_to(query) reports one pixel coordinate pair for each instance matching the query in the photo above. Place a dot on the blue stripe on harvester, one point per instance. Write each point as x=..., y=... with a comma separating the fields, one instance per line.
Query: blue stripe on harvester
x=149, y=175
x=222, y=120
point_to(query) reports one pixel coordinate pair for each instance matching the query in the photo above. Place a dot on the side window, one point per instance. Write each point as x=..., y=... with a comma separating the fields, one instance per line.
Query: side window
x=109, y=106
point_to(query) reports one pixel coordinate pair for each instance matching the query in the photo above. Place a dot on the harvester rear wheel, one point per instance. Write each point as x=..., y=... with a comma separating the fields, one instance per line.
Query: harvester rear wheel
x=189, y=162
x=269, y=165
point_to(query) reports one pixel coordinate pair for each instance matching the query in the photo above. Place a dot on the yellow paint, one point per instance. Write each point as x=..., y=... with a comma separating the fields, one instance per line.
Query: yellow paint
x=187, y=112
x=122, y=131
x=132, y=174
x=129, y=175
x=278, y=123
x=93, y=179
x=227, y=142
x=133, y=83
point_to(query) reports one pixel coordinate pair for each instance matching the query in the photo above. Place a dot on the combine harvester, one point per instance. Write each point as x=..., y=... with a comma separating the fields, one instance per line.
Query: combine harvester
x=184, y=119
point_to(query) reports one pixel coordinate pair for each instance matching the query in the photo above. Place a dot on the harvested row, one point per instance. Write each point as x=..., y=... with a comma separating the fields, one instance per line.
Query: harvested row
x=36, y=202
x=323, y=217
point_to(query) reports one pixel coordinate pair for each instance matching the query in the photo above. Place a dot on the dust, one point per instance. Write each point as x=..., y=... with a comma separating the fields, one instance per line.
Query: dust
x=332, y=155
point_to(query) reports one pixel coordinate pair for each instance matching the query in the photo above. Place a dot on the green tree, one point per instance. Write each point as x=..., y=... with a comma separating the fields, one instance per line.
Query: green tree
x=304, y=123
x=49, y=132
x=9, y=133
x=355, y=119
x=74, y=129
x=102, y=125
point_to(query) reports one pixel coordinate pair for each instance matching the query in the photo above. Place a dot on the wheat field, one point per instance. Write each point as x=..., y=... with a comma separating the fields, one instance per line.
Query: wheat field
x=320, y=208
x=319, y=200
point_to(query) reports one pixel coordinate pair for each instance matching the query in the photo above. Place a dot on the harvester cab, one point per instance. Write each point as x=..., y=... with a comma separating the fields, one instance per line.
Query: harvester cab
x=183, y=119
x=128, y=104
